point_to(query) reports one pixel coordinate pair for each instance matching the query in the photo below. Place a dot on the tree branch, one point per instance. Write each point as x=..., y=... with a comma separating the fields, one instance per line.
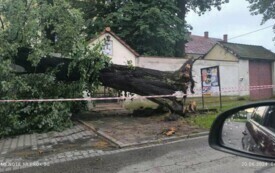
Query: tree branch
x=2, y=23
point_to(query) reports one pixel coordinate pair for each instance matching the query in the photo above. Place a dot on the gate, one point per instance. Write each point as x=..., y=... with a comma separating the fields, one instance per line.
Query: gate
x=260, y=73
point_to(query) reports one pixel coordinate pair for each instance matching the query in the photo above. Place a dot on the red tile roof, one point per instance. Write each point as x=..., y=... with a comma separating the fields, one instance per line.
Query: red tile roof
x=200, y=44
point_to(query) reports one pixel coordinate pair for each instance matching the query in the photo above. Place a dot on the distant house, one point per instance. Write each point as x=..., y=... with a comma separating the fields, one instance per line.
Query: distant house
x=200, y=45
x=255, y=66
x=114, y=47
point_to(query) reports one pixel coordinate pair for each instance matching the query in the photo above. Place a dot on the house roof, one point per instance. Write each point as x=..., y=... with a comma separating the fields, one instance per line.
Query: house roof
x=108, y=30
x=248, y=51
x=200, y=44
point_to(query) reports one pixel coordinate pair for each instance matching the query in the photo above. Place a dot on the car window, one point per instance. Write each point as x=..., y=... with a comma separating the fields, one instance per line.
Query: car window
x=270, y=118
x=259, y=113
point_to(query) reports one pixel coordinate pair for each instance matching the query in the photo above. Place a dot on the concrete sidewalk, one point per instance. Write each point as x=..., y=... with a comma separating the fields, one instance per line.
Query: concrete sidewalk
x=48, y=148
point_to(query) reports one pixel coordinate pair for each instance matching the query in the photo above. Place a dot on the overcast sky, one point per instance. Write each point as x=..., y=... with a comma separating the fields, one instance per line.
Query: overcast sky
x=234, y=19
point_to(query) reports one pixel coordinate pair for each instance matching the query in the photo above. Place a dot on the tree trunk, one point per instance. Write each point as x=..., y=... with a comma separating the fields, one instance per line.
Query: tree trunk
x=136, y=80
x=180, y=45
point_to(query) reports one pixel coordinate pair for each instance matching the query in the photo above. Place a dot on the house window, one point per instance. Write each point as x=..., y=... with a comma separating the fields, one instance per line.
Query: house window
x=108, y=46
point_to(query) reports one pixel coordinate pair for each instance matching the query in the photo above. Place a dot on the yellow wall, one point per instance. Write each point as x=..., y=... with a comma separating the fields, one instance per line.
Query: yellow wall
x=220, y=54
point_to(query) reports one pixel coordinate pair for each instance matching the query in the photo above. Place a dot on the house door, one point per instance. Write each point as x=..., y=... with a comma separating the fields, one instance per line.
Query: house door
x=260, y=73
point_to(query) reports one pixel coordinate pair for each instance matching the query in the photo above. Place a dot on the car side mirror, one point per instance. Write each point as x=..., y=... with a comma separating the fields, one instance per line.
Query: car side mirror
x=247, y=131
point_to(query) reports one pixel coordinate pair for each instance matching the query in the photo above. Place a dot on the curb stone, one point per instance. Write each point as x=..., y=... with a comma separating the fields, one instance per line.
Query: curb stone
x=101, y=133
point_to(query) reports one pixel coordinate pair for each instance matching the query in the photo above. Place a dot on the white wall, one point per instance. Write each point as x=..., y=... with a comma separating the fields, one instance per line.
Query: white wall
x=120, y=53
x=230, y=72
x=243, y=76
x=160, y=63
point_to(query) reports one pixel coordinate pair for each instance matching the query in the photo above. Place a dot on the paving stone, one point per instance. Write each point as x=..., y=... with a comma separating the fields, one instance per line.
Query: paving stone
x=63, y=160
x=14, y=143
x=69, y=154
x=34, y=148
x=78, y=128
x=74, y=158
x=33, y=136
x=57, y=139
x=33, y=140
x=1, y=145
x=84, y=152
x=80, y=157
x=74, y=136
x=69, y=159
x=50, y=162
x=49, y=147
x=54, y=141
x=62, y=134
x=73, y=130
x=45, y=135
x=78, y=135
x=27, y=141
x=86, y=156
x=88, y=133
x=56, y=161
x=100, y=151
x=106, y=152
x=83, y=134
x=91, y=151
x=77, y=153
x=71, y=138
x=40, y=142
x=4, y=152
x=2, y=160
x=61, y=156
x=7, y=145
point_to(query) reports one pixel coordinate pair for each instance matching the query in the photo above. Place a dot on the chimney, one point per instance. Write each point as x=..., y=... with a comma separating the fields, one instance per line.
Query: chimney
x=206, y=34
x=189, y=35
x=225, y=36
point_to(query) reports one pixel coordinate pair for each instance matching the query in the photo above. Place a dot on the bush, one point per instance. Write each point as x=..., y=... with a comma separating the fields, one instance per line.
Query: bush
x=31, y=31
x=17, y=118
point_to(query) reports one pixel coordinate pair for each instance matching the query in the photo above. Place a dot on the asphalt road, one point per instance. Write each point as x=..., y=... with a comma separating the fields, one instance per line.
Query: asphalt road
x=232, y=134
x=192, y=155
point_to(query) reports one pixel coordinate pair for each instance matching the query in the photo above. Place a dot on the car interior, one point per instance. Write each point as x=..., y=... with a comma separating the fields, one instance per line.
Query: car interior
x=271, y=119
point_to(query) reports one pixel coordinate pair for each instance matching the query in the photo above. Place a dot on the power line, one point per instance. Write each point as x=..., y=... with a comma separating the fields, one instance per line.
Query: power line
x=250, y=32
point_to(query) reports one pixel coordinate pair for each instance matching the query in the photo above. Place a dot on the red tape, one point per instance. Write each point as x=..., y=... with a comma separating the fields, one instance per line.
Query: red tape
x=223, y=90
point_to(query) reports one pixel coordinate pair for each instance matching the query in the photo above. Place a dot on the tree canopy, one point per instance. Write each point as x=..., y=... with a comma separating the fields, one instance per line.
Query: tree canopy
x=264, y=7
x=152, y=27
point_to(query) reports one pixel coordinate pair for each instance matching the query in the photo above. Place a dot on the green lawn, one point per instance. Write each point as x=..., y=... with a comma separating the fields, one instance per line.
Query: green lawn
x=201, y=120
x=206, y=120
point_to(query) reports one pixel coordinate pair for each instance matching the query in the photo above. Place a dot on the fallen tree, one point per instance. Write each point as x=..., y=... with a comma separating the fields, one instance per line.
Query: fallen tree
x=136, y=80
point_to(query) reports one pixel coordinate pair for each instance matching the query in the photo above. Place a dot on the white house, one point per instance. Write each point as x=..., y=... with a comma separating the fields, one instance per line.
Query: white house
x=114, y=47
